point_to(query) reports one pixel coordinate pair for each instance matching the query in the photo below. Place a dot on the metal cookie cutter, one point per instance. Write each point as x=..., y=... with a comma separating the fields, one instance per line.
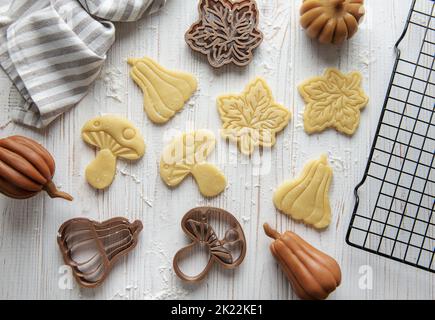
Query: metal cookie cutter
x=91, y=248
x=196, y=224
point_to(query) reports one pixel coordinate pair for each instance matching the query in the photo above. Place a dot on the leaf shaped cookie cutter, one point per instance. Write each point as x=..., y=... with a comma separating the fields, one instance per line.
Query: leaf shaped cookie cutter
x=91, y=248
x=196, y=225
x=226, y=32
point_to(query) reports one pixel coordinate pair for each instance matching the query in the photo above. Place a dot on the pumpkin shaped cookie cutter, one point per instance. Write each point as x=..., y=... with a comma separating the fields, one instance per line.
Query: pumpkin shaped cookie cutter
x=196, y=225
x=91, y=248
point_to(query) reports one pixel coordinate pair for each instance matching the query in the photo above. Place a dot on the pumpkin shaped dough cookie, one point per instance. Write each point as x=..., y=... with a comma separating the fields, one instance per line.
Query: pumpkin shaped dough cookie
x=307, y=198
x=116, y=137
x=333, y=100
x=165, y=92
x=187, y=154
x=331, y=21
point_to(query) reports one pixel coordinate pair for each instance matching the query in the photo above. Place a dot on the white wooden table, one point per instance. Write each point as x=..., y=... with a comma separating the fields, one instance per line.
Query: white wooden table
x=30, y=262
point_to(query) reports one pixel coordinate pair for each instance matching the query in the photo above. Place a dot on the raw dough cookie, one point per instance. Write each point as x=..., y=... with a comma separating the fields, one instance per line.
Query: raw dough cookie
x=227, y=32
x=165, y=92
x=252, y=118
x=186, y=155
x=333, y=101
x=331, y=21
x=116, y=138
x=306, y=198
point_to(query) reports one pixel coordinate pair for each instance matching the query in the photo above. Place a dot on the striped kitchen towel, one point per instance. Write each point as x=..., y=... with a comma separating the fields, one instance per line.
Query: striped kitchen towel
x=54, y=49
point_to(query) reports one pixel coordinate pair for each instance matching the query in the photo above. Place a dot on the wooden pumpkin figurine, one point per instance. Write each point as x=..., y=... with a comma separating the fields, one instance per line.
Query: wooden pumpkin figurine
x=26, y=168
x=313, y=274
x=331, y=21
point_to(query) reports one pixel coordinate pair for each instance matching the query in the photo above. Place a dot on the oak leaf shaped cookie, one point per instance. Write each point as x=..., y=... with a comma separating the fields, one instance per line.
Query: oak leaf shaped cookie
x=333, y=101
x=227, y=32
x=252, y=118
x=306, y=198
x=165, y=91
x=186, y=155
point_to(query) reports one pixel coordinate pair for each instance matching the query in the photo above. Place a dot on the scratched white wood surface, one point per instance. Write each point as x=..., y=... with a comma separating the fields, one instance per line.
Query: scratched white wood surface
x=30, y=261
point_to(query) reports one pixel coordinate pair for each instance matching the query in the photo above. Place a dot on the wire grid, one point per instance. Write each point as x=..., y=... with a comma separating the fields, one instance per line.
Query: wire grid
x=394, y=212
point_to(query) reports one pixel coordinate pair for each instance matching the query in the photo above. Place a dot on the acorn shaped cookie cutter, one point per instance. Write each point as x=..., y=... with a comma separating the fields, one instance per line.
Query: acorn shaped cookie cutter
x=91, y=248
x=196, y=225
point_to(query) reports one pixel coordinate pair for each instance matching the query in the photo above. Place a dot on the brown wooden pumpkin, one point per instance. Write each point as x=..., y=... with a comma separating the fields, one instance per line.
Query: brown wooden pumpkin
x=331, y=21
x=26, y=168
x=313, y=274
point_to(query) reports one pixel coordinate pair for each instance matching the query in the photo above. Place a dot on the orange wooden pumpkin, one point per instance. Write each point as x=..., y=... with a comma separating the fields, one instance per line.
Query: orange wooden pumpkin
x=26, y=168
x=313, y=274
x=331, y=21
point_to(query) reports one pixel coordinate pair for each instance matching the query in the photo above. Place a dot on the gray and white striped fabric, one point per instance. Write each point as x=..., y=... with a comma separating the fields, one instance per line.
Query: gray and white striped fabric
x=116, y=10
x=54, y=49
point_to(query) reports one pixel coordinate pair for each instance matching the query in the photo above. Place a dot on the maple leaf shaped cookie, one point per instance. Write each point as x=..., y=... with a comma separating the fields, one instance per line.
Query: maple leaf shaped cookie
x=252, y=118
x=227, y=32
x=333, y=101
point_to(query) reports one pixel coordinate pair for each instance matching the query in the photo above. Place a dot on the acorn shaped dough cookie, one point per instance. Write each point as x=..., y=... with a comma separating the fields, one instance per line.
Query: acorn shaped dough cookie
x=165, y=92
x=26, y=168
x=307, y=198
x=331, y=21
x=115, y=137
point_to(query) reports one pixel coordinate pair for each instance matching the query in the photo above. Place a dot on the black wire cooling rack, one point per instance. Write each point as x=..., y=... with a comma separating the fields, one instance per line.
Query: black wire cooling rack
x=394, y=211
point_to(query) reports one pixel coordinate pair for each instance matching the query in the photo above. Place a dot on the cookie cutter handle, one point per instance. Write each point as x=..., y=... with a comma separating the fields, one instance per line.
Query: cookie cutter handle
x=179, y=255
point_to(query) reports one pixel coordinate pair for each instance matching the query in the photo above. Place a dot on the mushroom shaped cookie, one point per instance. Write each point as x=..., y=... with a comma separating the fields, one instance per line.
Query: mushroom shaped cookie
x=331, y=21
x=187, y=154
x=116, y=138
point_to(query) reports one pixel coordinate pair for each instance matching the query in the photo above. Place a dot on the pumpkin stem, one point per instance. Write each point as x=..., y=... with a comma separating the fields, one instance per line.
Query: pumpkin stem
x=270, y=232
x=136, y=227
x=337, y=4
x=53, y=192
